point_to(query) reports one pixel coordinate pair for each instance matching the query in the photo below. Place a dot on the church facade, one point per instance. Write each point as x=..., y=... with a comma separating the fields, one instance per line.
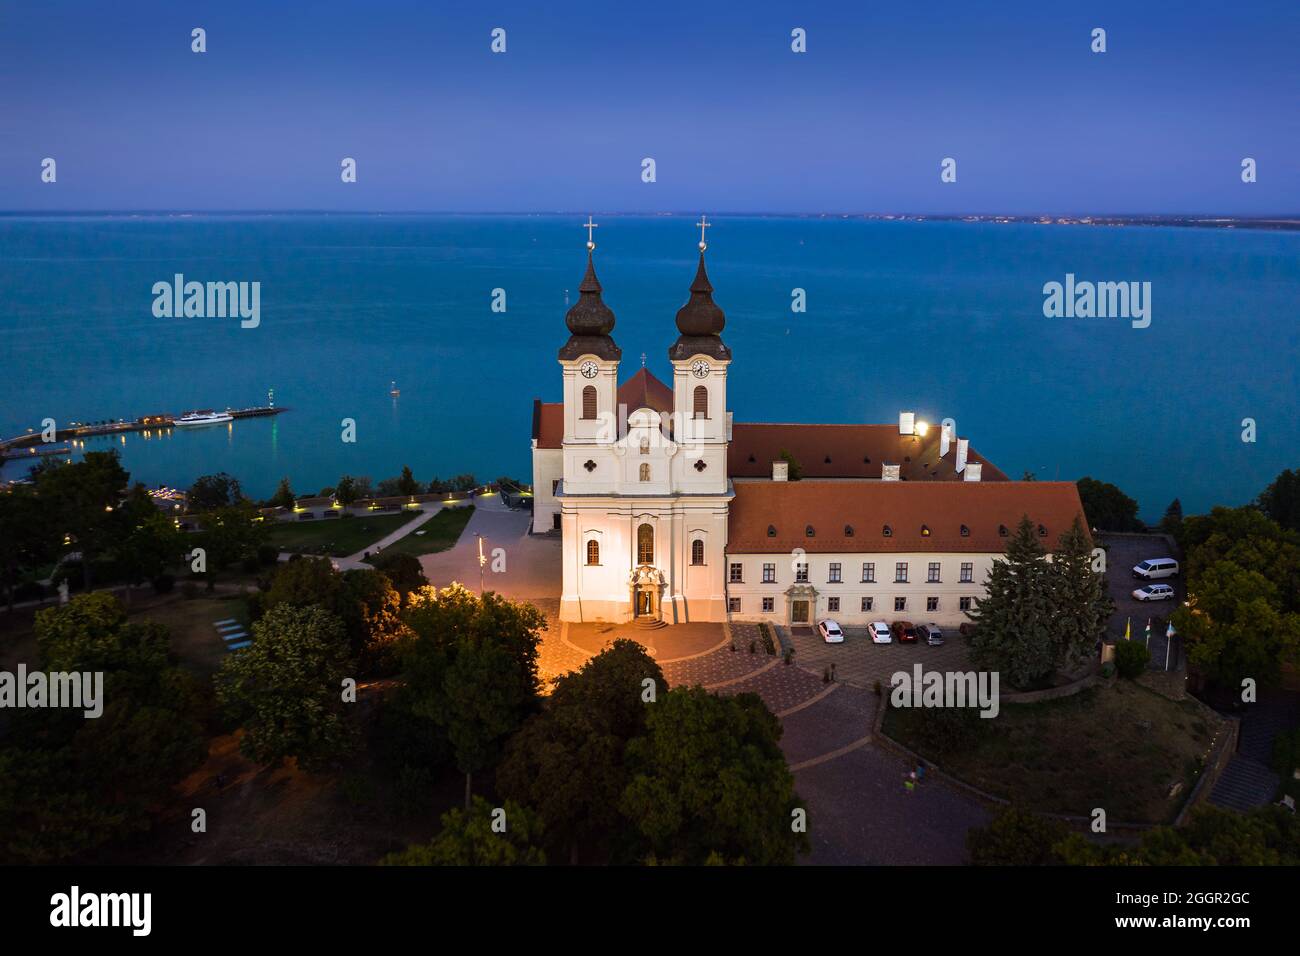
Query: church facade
x=670, y=512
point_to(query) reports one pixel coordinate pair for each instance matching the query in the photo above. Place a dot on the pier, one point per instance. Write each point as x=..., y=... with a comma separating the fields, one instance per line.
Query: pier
x=32, y=437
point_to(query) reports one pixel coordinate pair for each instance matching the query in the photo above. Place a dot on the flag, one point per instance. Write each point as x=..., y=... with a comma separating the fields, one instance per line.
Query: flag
x=1148, y=632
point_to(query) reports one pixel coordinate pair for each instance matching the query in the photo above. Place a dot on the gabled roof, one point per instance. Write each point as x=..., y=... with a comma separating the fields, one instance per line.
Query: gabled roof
x=548, y=423
x=643, y=390
x=907, y=508
x=854, y=451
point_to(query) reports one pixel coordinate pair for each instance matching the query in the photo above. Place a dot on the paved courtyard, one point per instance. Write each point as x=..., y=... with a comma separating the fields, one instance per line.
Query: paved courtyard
x=1124, y=552
x=859, y=811
x=861, y=663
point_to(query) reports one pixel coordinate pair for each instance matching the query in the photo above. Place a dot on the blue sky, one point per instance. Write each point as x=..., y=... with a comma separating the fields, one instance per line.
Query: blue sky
x=735, y=121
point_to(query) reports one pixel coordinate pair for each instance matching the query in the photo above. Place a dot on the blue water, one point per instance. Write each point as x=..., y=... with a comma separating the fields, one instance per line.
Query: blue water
x=942, y=318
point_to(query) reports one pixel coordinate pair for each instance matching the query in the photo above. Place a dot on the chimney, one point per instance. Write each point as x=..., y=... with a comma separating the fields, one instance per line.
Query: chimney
x=889, y=471
x=780, y=470
x=906, y=423
x=963, y=446
x=945, y=440
x=973, y=470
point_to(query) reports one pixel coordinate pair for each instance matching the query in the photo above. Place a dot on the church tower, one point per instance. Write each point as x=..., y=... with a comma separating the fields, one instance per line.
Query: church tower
x=700, y=360
x=644, y=496
x=589, y=362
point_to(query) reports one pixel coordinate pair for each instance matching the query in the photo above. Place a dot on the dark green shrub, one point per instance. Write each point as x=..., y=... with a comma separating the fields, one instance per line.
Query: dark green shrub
x=1131, y=659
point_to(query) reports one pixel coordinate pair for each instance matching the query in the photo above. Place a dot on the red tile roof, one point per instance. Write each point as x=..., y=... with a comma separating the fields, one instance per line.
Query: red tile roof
x=643, y=390
x=548, y=423
x=907, y=507
x=854, y=451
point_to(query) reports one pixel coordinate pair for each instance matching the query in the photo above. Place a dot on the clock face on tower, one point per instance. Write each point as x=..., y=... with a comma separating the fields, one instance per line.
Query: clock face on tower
x=700, y=368
x=589, y=369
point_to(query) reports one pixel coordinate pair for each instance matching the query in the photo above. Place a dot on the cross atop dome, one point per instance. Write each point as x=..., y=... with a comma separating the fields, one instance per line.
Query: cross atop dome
x=700, y=321
x=590, y=320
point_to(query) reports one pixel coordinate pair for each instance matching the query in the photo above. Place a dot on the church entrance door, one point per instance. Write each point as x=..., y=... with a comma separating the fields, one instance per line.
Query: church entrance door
x=799, y=612
x=644, y=602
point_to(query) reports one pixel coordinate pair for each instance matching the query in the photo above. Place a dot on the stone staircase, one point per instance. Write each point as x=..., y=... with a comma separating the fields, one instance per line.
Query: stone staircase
x=1244, y=785
x=648, y=623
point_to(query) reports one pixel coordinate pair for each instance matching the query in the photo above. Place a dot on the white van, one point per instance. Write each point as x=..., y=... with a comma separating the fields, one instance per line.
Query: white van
x=1153, y=568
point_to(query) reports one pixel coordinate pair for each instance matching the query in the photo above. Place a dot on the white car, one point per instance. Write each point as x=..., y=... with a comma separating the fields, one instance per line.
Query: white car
x=830, y=632
x=880, y=633
x=1155, y=592
x=1153, y=568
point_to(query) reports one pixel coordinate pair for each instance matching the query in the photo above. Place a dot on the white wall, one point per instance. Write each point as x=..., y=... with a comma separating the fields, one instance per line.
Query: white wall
x=548, y=467
x=851, y=589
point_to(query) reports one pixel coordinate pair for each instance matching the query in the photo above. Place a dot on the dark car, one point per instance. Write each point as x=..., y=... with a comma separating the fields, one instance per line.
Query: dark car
x=932, y=634
x=904, y=632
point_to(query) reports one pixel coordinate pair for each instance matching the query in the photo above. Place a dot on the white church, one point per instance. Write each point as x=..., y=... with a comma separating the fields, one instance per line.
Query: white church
x=670, y=512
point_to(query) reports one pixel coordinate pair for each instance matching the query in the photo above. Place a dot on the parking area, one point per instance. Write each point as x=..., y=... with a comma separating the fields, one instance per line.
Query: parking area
x=861, y=663
x=1123, y=552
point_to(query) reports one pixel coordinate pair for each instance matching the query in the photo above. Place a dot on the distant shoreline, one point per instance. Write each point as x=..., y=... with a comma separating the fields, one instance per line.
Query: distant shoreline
x=1283, y=223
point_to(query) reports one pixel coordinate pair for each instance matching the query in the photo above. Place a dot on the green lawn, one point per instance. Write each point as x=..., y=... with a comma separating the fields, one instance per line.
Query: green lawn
x=437, y=534
x=1118, y=747
x=337, y=537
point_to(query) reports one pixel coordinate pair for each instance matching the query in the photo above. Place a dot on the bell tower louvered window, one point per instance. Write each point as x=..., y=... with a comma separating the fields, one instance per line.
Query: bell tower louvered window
x=589, y=402
x=701, y=402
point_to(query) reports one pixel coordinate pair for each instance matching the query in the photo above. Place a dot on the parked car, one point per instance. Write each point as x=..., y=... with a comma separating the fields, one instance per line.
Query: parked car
x=830, y=632
x=904, y=632
x=1155, y=592
x=931, y=633
x=1154, y=568
x=880, y=633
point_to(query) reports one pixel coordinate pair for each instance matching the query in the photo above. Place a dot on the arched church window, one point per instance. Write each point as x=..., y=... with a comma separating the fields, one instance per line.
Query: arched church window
x=697, y=551
x=645, y=446
x=645, y=472
x=589, y=401
x=593, y=552
x=701, y=402
x=645, y=544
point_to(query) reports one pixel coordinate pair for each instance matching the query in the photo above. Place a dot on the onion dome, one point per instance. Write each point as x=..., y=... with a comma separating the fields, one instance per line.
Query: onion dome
x=700, y=322
x=590, y=321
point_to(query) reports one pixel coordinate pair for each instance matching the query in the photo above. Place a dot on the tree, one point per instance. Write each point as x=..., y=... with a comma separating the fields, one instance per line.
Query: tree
x=1249, y=539
x=1172, y=523
x=480, y=835
x=83, y=497
x=1016, y=837
x=286, y=689
x=1281, y=500
x=1234, y=627
x=69, y=785
x=1131, y=659
x=1080, y=604
x=210, y=492
x=230, y=534
x=406, y=483
x=471, y=665
x=1016, y=633
x=1107, y=508
x=710, y=783
x=152, y=542
x=346, y=492
x=403, y=570
x=568, y=762
x=284, y=496
x=362, y=599
x=27, y=537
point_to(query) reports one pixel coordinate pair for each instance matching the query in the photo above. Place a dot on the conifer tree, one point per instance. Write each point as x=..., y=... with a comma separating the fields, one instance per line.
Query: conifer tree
x=1015, y=634
x=1081, y=606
